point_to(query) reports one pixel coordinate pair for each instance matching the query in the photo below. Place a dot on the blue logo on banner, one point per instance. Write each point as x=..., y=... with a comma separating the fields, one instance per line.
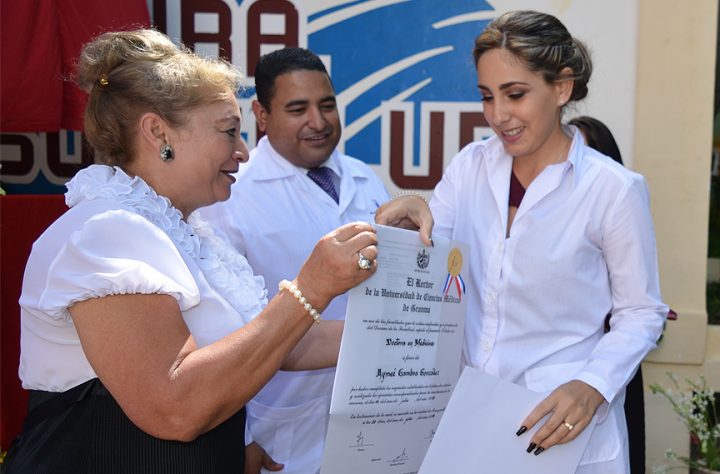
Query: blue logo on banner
x=413, y=51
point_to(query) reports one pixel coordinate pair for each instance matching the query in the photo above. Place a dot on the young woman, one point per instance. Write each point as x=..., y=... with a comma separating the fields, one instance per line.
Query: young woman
x=560, y=235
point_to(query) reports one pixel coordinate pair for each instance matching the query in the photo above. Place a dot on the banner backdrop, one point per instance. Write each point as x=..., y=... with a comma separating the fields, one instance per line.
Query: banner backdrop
x=402, y=70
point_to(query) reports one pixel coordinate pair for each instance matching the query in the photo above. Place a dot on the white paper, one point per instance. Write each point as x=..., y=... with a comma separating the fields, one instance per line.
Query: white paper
x=477, y=432
x=399, y=358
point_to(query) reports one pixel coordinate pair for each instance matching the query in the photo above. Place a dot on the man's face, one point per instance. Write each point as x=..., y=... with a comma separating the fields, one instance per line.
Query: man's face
x=302, y=124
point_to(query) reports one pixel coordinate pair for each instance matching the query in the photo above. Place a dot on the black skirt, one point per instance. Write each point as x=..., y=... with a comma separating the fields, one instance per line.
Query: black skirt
x=84, y=431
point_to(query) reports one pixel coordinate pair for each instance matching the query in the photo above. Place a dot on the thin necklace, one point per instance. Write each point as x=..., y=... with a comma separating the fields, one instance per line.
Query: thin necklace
x=563, y=153
x=561, y=157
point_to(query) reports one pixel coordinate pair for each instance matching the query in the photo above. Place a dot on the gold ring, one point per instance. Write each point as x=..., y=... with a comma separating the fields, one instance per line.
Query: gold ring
x=569, y=426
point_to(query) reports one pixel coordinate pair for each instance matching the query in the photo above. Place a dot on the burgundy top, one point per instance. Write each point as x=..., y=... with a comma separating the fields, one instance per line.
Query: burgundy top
x=517, y=192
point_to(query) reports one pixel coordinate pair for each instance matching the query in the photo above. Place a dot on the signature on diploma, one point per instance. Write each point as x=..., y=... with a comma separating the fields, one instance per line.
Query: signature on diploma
x=360, y=441
x=399, y=459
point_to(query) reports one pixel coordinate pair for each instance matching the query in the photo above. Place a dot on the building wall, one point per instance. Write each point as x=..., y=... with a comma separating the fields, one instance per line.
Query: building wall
x=673, y=144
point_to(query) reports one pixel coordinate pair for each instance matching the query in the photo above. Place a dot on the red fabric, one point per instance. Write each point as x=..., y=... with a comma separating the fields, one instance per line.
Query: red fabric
x=40, y=41
x=22, y=219
x=517, y=192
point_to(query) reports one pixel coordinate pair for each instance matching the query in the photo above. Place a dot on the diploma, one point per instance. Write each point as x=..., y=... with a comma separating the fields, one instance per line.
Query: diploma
x=477, y=432
x=399, y=357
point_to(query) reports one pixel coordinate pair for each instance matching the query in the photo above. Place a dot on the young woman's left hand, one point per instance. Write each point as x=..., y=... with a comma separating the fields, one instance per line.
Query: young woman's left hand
x=571, y=407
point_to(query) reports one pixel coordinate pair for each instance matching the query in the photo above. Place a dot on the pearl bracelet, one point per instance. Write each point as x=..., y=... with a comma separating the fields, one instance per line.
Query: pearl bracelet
x=411, y=193
x=290, y=286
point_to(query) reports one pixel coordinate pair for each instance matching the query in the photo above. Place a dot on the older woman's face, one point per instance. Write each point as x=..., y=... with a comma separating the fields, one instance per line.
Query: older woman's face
x=208, y=149
x=520, y=106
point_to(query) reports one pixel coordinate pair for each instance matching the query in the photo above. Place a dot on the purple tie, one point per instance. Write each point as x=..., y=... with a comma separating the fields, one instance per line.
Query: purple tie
x=323, y=177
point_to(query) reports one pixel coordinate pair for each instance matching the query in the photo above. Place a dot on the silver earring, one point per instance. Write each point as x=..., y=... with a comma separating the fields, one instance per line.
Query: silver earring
x=166, y=153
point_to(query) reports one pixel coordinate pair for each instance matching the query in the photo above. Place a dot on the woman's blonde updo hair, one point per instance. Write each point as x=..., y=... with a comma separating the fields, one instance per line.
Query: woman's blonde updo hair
x=129, y=73
x=543, y=43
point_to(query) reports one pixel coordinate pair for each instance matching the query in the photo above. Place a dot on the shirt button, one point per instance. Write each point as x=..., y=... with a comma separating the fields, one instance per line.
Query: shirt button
x=486, y=346
x=491, y=297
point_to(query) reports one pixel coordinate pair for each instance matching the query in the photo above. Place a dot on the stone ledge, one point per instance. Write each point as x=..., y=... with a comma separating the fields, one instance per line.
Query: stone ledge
x=684, y=340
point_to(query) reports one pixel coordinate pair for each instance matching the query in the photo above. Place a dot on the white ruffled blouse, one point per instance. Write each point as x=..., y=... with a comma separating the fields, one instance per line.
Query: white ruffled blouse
x=120, y=237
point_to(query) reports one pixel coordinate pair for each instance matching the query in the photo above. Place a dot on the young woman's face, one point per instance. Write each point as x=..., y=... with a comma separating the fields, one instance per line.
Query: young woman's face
x=520, y=106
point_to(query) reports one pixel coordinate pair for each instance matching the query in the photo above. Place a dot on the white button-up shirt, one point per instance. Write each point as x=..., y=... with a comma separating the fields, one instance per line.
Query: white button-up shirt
x=581, y=246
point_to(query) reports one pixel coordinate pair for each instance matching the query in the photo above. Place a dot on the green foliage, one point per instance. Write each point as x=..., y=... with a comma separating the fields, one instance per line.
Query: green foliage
x=697, y=408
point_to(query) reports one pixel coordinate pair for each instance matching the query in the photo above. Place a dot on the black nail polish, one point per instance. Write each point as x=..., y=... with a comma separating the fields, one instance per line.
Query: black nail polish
x=538, y=451
x=432, y=243
x=522, y=430
x=531, y=447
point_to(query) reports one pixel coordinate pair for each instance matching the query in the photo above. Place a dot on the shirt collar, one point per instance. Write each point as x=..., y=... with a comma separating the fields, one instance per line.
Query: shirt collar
x=500, y=161
x=576, y=154
x=275, y=166
x=331, y=162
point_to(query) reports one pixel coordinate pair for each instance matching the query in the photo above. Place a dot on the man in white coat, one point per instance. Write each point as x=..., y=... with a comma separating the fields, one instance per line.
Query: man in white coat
x=295, y=188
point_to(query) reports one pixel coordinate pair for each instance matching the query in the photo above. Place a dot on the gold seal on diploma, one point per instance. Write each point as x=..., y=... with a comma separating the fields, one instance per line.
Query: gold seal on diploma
x=455, y=261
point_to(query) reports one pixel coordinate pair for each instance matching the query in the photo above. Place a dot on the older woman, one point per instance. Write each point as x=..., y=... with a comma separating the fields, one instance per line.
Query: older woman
x=143, y=332
x=561, y=235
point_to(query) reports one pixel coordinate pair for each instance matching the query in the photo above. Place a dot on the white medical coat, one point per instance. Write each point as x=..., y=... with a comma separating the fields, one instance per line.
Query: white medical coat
x=274, y=217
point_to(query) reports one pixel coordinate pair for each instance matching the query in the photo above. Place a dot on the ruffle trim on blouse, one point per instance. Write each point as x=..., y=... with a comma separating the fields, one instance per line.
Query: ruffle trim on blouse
x=227, y=272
